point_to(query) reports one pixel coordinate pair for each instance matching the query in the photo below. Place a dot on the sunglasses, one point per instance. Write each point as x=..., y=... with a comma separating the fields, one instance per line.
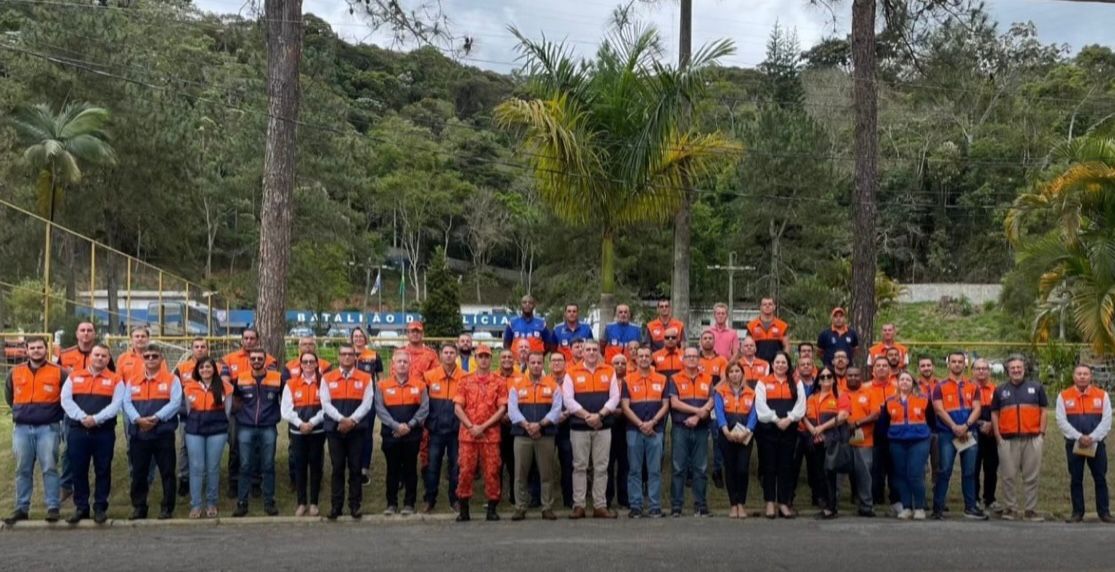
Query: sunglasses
x=256, y=359
x=826, y=376
x=670, y=337
x=346, y=354
x=151, y=356
x=308, y=362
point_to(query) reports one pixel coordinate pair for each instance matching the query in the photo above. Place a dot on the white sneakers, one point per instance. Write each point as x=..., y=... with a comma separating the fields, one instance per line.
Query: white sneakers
x=919, y=514
x=905, y=514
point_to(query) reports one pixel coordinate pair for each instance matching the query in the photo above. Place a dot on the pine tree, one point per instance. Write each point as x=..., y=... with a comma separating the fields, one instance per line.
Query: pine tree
x=441, y=310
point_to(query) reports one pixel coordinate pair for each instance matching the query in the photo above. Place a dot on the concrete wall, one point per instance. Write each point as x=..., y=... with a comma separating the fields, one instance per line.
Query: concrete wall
x=975, y=293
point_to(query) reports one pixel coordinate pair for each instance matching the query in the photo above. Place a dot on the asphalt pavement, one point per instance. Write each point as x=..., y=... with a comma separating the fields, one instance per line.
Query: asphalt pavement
x=679, y=545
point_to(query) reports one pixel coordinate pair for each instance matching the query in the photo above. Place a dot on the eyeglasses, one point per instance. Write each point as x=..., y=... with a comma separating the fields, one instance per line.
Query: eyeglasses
x=151, y=356
x=346, y=354
x=826, y=376
x=255, y=359
x=308, y=362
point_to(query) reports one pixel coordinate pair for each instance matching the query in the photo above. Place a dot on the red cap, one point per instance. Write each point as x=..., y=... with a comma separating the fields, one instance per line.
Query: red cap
x=838, y=310
x=483, y=349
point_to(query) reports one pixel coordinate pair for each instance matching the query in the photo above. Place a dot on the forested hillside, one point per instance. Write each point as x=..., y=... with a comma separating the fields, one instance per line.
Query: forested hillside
x=399, y=150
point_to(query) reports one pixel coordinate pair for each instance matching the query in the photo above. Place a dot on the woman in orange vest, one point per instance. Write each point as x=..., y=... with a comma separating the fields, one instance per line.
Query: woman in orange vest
x=300, y=407
x=909, y=444
x=779, y=405
x=826, y=410
x=735, y=418
x=207, y=409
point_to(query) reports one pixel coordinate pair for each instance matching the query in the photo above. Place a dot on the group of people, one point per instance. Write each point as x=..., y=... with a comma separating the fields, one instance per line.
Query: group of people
x=558, y=408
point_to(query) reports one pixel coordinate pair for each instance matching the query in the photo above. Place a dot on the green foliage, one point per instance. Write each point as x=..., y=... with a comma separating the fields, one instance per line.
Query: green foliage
x=1055, y=365
x=24, y=306
x=441, y=310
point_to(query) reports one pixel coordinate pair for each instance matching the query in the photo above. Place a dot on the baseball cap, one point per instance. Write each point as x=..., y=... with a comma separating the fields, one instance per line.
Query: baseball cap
x=838, y=310
x=483, y=349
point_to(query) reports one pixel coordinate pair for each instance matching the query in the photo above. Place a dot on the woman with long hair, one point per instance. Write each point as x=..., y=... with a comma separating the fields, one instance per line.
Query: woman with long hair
x=825, y=413
x=909, y=444
x=779, y=405
x=301, y=409
x=734, y=402
x=208, y=406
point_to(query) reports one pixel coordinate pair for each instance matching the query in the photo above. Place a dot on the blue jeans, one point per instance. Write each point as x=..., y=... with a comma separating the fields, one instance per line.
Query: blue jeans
x=944, y=473
x=31, y=444
x=690, y=457
x=204, y=453
x=96, y=447
x=640, y=449
x=447, y=445
x=717, y=454
x=909, y=459
x=257, y=455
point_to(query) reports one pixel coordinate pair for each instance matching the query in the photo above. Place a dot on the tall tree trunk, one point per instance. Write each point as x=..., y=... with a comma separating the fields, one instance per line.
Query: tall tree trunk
x=865, y=101
x=284, y=52
x=111, y=289
x=679, y=285
x=607, y=280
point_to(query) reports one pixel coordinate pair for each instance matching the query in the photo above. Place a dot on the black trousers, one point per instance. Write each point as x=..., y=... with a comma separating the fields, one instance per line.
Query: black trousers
x=882, y=471
x=776, y=461
x=814, y=471
x=564, y=444
x=737, y=466
x=161, y=451
x=402, y=468
x=307, y=454
x=344, y=454
x=507, y=460
x=987, y=460
x=617, y=466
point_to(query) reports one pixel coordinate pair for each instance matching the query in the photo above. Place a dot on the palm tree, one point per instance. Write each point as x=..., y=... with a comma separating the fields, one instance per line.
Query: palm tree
x=1071, y=251
x=58, y=144
x=604, y=137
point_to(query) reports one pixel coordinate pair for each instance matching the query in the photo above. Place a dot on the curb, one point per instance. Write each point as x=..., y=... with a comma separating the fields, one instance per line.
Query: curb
x=229, y=521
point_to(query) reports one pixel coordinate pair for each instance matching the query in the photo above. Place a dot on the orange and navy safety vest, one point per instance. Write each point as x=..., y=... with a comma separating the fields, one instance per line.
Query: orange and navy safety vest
x=781, y=395
x=667, y=362
x=259, y=399
x=204, y=415
x=346, y=394
x=402, y=401
x=367, y=361
x=908, y=419
x=715, y=366
x=305, y=398
x=294, y=367
x=37, y=394
x=957, y=398
x=692, y=390
x=656, y=332
x=442, y=388
x=535, y=401
x=737, y=408
x=769, y=339
x=130, y=364
x=1084, y=409
x=93, y=392
x=237, y=364
x=73, y=359
x=820, y=408
x=591, y=389
x=645, y=393
x=754, y=369
x=1021, y=409
x=986, y=398
x=148, y=396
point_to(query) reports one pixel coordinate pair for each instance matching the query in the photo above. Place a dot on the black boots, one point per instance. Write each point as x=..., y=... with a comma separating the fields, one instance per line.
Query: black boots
x=462, y=514
x=492, y=514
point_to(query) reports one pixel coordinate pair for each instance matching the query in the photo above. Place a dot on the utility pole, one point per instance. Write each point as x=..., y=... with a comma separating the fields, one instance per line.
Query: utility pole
x=731, y=269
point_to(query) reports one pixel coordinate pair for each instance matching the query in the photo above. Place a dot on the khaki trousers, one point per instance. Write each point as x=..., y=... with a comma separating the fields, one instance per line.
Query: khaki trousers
x=528, y=450
x=594, y=446
x=1020, y=460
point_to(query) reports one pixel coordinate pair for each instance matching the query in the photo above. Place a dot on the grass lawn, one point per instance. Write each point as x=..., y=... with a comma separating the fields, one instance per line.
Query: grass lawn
x=1054, y=494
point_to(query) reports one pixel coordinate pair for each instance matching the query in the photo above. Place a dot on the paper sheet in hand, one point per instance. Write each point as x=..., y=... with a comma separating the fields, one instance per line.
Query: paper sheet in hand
x=739, y=429
x=963, y=443
x=1082, y=451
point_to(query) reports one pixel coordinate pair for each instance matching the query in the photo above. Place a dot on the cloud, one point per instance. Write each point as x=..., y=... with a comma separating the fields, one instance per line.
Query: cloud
x=581, y=23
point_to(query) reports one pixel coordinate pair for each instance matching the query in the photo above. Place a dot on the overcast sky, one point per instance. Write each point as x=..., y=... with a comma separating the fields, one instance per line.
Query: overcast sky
x=747, y=22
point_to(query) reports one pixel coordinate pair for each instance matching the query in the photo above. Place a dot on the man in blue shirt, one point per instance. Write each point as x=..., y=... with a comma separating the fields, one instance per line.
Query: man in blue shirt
x=527, y=326
x=620, y=333
x=569, y=330
x=838, y=337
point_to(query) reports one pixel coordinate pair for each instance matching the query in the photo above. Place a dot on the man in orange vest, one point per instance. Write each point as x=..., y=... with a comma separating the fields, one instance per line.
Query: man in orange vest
x=690, y=392
x=34, y=393
x=1018, y=418
x=656, y=329
x=73, y=359
x=442, y=425
x=754, y=367
x=645, y=407
x=151, y=405
x=987, y=460
x=667, y=360
x=888, y=343
x=346, y=399
x=591, y=394
x=257, y=395
x=402, y=405
x=956, y=402
x=92, y=397
x=480, y=404
x=1084, y=416
x=233, y=365
x=534, y=407
x=865, y=410
x=769, y=332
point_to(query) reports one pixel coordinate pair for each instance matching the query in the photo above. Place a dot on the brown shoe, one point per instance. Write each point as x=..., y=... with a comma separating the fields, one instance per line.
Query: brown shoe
x=519, y=515
x=578, y=513
x=548, y=515
x=603, y=513
x=428, y=509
